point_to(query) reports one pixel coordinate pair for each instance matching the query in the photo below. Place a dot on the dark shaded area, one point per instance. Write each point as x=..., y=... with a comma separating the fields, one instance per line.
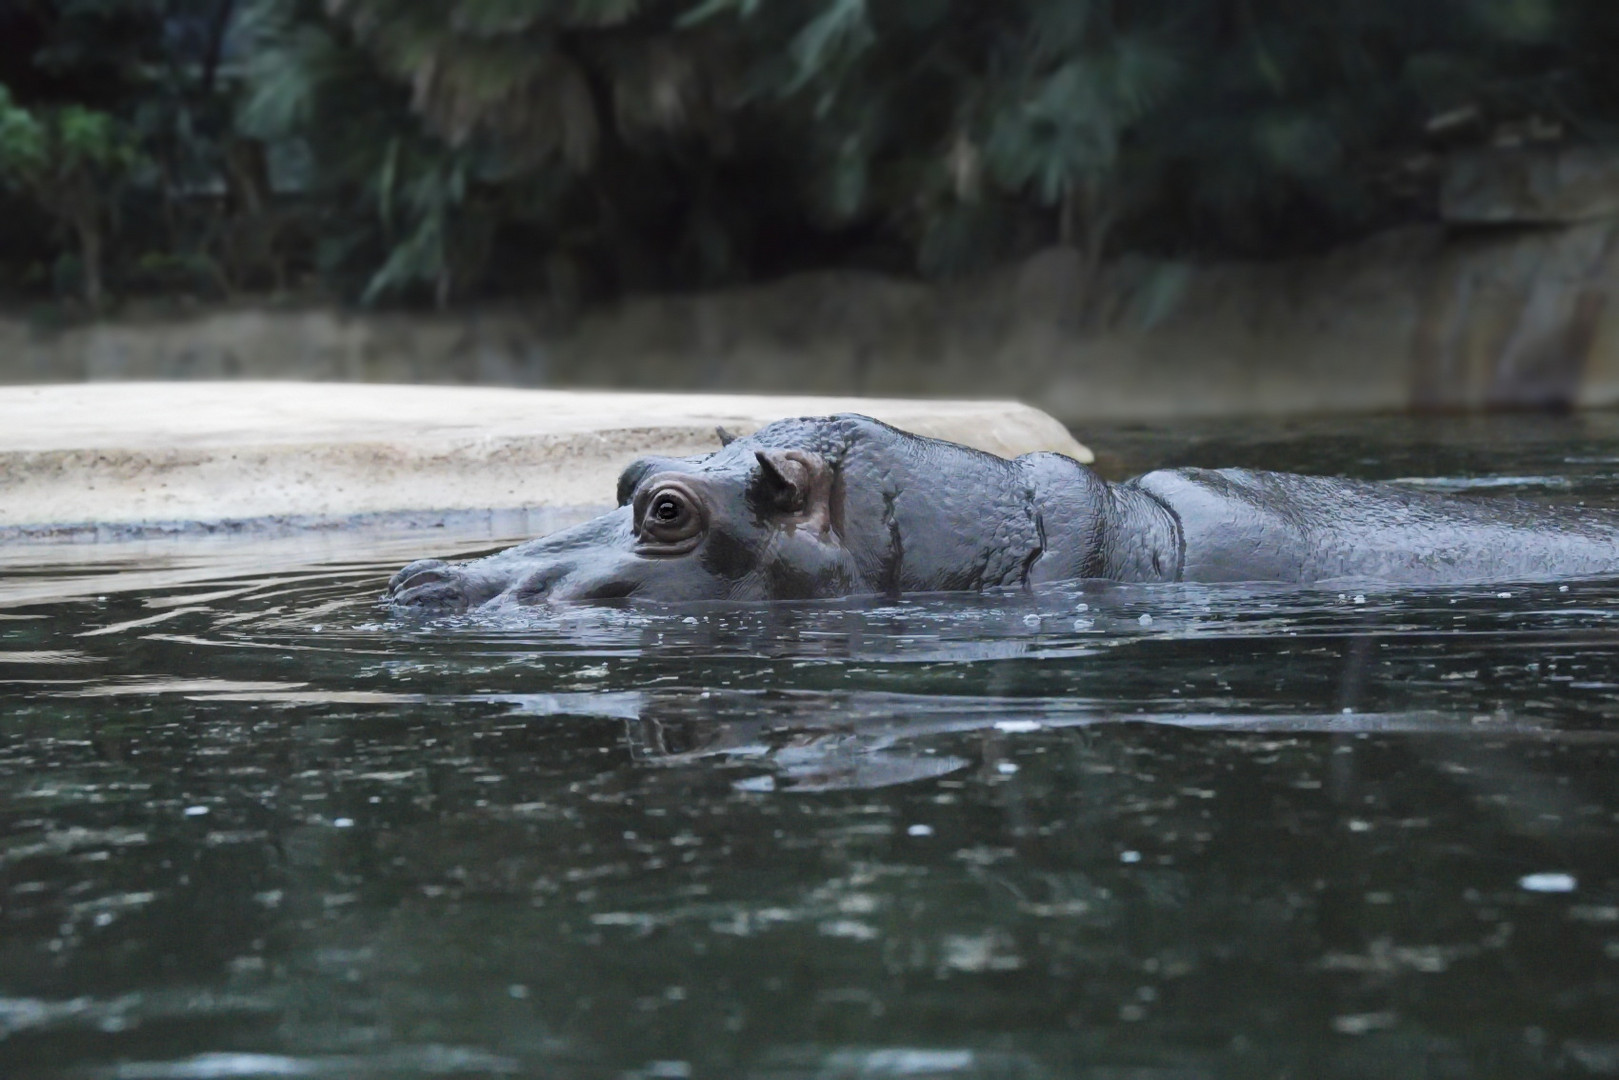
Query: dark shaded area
x=391, y=151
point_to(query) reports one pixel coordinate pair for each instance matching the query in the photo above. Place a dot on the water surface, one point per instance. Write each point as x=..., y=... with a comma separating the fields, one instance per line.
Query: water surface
x=251, y=825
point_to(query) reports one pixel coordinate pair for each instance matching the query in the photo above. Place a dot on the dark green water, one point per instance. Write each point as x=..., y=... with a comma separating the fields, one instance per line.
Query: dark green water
x=251, y=826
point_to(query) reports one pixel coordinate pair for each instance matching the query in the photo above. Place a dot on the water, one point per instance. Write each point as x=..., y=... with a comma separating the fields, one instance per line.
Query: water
x=252, y=826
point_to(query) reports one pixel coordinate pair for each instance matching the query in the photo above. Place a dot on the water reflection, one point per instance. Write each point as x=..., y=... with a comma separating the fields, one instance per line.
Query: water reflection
x=1097, y=831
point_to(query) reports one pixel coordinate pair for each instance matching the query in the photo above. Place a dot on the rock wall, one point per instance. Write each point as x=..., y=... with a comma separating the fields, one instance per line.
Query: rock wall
x=1444, y=317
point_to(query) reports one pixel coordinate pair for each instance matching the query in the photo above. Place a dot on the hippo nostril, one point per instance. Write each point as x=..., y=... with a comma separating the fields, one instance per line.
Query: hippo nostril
x=426, y=575
x=421, y=569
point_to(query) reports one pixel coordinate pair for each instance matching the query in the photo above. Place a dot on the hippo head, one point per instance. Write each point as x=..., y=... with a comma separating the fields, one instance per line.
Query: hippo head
x=801, y=509
x=752, y=525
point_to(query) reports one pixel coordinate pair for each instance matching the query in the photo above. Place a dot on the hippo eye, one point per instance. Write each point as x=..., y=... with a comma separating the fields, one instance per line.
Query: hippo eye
x=670, y=517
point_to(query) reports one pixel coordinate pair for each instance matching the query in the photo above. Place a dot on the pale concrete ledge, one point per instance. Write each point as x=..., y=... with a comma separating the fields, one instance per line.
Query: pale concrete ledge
x=131, y=454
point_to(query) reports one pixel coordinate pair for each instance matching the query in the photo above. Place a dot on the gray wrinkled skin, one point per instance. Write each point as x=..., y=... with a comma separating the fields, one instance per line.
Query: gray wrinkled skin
x=845, y=505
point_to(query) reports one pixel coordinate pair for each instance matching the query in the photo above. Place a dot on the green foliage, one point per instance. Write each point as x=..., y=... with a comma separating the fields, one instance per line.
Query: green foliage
x=398, y=208
x=70, y=161
x=22, y=140
x=428, y=152
x=48, y=152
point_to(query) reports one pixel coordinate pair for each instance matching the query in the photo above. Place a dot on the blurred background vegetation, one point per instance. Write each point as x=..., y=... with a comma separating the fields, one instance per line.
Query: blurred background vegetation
x=435, y=153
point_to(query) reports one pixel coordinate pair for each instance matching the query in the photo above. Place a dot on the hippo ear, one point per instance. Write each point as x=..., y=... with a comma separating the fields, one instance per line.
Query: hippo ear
x=785, y=478
x=726, y=437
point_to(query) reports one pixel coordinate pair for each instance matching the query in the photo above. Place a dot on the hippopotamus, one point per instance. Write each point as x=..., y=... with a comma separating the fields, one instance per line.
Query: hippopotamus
x=846, y=505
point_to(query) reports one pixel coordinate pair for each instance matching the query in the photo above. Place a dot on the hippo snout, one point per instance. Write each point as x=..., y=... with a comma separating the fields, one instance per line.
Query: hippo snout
x=435, y=585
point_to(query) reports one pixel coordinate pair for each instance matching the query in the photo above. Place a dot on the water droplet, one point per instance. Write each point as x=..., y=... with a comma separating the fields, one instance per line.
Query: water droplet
x=1145, y=620
x=196, y=811
x=919, y=830
x=1548, y=882
x=344, y=823
x=1129, y=856
x=1005, y=768
x=1363, y=1023
x=1031, y=620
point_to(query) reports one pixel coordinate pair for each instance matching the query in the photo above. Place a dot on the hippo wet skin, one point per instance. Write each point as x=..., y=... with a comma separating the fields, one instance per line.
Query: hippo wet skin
x=844, y=505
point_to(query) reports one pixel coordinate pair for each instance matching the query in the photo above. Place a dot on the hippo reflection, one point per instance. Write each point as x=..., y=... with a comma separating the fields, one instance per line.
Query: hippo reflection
x=844, y=505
